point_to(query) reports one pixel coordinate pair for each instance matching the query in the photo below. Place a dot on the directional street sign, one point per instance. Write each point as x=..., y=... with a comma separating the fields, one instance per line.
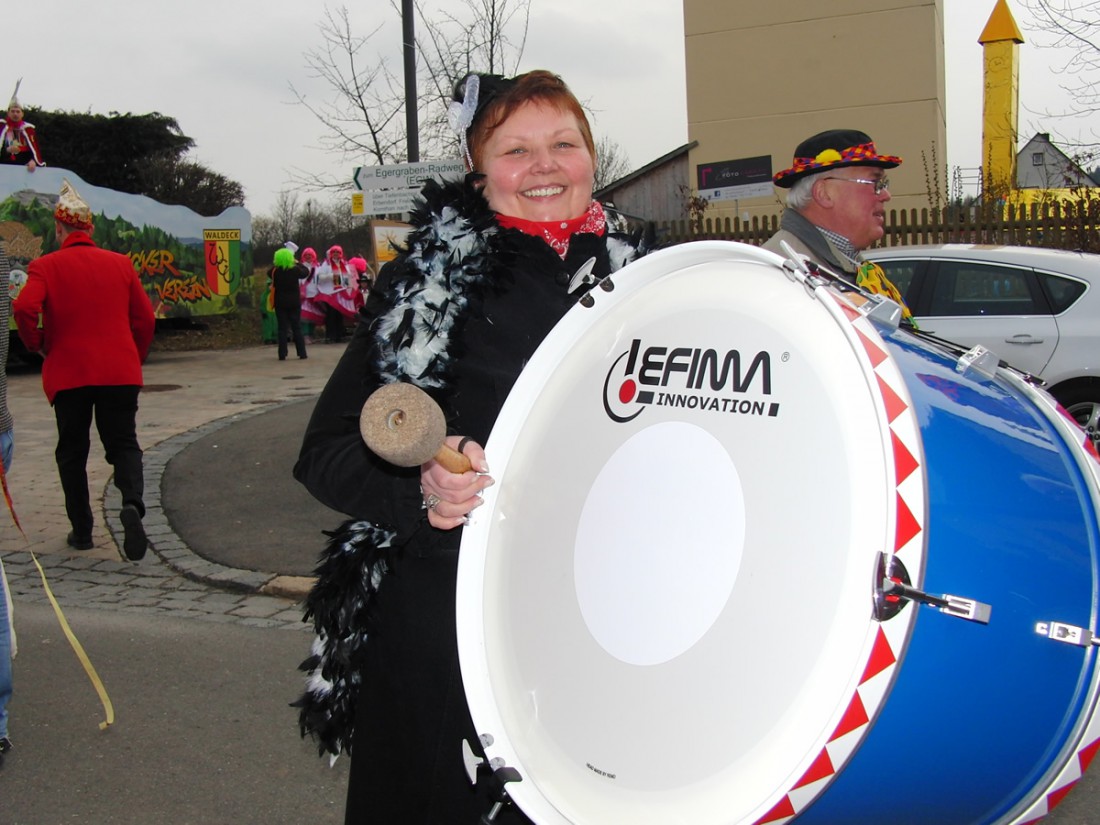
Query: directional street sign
x=382, y=201
x=406, y=175
x=386, y=190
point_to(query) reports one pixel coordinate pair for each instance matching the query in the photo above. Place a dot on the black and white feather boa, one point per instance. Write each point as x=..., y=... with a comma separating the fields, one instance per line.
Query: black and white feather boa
x=451, y=257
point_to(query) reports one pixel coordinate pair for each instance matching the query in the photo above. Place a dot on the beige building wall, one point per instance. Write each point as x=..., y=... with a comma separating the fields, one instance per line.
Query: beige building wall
x=762, y=77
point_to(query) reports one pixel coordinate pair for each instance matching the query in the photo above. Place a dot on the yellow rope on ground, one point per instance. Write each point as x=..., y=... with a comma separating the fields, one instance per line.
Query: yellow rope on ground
x=78, y=649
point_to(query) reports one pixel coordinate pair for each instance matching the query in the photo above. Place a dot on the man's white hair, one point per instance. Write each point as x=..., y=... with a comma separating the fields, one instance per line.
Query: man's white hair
x=801, y=192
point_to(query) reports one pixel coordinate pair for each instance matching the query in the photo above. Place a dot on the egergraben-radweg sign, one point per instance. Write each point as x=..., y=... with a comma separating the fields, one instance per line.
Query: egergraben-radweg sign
x=386, y=190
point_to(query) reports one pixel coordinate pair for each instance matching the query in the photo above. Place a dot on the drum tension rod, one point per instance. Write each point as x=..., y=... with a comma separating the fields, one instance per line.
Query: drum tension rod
x=1068, y=633
x=958, y=606
x=500, y=775
x=893, y=590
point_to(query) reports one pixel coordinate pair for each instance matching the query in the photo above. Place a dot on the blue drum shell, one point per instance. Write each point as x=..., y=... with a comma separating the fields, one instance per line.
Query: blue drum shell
x=980, y=717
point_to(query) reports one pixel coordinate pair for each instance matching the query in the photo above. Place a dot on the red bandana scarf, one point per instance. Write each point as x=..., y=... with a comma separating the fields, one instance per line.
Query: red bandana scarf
x=558, y=233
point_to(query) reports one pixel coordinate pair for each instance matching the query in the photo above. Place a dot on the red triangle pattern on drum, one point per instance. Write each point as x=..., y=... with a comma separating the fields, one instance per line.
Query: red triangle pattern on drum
x=1054, y=798
x=905, y=463
x=1086, y=755
x=1087, y=442
x=822, y=768
x=909, y=500
x=882, y=657
x=783, y=810
x=894, y=405
x=1066, y=780
x=874, y=352
x=908, y=527
x=855, y=717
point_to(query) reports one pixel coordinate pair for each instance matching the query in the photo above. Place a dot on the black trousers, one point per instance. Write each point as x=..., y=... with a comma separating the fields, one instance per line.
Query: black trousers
x=115, y=411
x=334, y=324
x=289, y=320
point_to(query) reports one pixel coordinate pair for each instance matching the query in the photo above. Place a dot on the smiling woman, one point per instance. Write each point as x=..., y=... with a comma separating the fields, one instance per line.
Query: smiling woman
x=537, y=165
x=492, y=263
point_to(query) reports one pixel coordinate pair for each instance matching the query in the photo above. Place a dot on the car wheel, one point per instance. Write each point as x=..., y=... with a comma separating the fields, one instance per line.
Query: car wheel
x=1084, y=406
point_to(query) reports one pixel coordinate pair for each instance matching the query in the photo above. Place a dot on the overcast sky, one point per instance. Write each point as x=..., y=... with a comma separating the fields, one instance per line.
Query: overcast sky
x=223, y=70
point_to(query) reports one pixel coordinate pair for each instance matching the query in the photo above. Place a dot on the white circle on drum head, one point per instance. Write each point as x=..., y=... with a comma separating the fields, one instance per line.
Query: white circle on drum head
x=659, y=543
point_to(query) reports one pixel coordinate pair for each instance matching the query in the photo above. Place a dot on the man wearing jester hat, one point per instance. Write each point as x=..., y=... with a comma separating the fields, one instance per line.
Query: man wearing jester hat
x=837, y=192
x=18, y=141
x=84, y=308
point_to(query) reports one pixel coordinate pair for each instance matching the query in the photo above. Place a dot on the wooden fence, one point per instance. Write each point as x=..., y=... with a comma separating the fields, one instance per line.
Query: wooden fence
x=1052, y=225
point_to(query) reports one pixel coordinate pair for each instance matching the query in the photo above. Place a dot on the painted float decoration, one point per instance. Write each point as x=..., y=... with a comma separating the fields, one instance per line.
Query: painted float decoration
x=190, y=264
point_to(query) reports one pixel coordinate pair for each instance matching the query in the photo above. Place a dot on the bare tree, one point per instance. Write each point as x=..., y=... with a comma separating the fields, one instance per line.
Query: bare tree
x=362, y=115
x=612, y=162
x=315, y=226
x=265, y=236
x=1072, y=27
x=488, y=37
x=284, y=215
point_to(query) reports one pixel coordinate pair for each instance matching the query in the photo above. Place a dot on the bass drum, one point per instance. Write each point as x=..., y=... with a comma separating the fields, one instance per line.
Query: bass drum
x=711, y=584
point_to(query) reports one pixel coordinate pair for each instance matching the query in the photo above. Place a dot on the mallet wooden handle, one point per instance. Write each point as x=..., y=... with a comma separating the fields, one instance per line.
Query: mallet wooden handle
x=452, y=460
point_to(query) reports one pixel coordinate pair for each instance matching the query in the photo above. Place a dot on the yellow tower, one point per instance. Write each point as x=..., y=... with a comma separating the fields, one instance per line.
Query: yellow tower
x=1000, y=42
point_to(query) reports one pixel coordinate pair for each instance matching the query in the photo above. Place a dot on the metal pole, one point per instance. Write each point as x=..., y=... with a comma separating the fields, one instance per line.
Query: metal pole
x=412, y=126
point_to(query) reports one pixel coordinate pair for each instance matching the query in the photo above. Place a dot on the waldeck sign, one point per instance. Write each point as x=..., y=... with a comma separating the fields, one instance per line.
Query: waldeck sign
x=730, y=180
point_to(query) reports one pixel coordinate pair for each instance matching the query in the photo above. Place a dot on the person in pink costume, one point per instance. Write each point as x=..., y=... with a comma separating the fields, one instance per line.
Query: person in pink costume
x=338, y=292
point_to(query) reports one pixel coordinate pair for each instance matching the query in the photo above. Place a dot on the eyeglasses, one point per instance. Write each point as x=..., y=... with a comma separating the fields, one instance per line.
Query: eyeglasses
x=880, y=185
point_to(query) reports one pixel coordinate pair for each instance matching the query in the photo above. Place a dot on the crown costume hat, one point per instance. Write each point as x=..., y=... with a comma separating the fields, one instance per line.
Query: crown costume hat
x=833, y=149
x=15, y=95
x=71, y=209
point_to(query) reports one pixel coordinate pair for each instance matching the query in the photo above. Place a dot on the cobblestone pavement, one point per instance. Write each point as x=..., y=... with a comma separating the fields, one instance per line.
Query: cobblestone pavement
x=187, y=395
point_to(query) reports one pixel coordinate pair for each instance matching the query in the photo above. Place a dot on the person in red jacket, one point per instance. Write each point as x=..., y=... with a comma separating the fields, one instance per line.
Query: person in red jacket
x=96, y=328
x=18, y=139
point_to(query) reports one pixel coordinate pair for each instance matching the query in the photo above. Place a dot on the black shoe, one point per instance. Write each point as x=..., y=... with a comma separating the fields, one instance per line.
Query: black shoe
x=77, y=543
x=134, y=542
x=5, y=746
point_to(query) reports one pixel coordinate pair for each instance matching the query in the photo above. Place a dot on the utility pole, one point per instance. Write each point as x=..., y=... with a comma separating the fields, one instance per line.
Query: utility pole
x=412, y=126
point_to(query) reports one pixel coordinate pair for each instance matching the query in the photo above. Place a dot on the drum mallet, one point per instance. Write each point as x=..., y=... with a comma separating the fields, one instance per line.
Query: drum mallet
x=402, y=424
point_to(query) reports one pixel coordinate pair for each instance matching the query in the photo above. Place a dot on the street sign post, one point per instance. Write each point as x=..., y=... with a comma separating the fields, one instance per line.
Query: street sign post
x=384, y=190
x=406, y=175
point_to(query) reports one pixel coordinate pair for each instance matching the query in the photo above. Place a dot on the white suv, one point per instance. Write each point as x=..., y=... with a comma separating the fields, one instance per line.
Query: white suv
x=1037, y=309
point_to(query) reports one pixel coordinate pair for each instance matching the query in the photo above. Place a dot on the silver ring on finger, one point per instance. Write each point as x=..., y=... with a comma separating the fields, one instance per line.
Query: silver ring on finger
x=432, y=502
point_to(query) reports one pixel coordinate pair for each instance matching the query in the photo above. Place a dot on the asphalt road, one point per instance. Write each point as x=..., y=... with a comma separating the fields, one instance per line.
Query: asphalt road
x=232, y=497
x=202, y=736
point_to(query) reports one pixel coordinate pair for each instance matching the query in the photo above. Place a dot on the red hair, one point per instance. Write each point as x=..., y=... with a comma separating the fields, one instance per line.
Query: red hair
x=538, y=86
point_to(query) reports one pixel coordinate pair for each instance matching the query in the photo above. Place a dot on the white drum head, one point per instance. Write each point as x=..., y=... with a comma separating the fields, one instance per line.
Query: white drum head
x=665, y=602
